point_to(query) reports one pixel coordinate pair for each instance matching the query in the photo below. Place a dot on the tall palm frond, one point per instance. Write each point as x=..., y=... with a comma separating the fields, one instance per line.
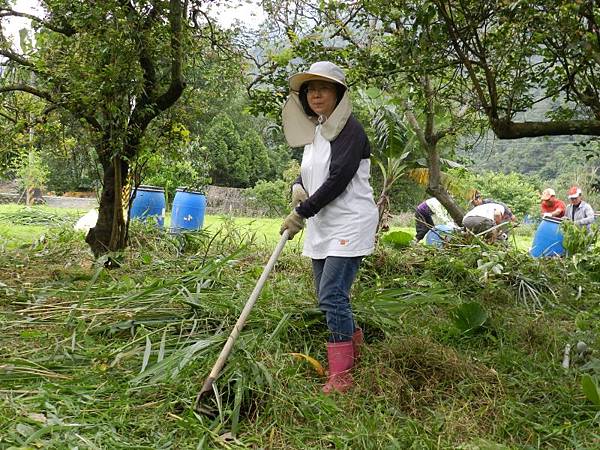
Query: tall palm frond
x=392, y=153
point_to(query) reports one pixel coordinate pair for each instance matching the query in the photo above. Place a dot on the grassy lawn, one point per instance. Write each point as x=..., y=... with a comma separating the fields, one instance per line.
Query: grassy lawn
x=464, y=345
x=20, y=225
x=13, y=236
x=263, y=230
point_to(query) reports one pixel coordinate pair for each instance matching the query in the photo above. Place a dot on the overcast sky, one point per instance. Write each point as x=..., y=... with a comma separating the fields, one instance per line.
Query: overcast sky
x=12, y=25
x=251, y=14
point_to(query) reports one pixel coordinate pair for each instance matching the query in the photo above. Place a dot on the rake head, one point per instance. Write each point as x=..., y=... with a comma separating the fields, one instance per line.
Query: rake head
x=201, y=406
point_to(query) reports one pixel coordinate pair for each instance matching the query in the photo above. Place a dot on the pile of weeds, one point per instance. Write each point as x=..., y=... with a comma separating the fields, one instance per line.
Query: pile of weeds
x=98, y=358
x=31, y=215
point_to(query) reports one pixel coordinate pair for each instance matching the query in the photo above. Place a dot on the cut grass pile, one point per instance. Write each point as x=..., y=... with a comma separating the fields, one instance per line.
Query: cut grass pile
x=21, y=225
x=96, y=358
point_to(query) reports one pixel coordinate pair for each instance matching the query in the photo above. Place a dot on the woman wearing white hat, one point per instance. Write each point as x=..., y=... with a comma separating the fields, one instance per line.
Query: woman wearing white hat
x=334, y=194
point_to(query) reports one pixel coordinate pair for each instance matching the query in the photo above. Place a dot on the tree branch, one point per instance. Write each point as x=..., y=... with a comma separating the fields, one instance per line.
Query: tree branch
x=505, y=129
x=53, y=103
x=429, y=109
x=67, y=29
x=455, y=39
x=7, y=117
x=414, y=124
x=151, y=104
x=177, y=83
x=452, y=129
x=29, y=89
x=17, y=58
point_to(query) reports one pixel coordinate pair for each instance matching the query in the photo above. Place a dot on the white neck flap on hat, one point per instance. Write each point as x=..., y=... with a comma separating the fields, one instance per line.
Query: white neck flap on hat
x=299, y=129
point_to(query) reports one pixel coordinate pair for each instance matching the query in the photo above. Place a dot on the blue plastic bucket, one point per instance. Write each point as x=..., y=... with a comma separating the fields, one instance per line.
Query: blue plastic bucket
x=438, y=235
x=149, y=202
x=188, y=210
x=547, y=240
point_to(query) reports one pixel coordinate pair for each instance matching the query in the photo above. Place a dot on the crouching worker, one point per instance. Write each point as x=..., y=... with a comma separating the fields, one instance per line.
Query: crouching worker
x=334, y=197
x=424, y=217
x=479, y=200
x=487, y=217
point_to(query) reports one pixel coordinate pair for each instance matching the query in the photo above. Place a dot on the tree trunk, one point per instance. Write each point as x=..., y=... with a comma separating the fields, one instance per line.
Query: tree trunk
x=383, y=206
x=429, y=139
x=110, y=232
x=437, y=189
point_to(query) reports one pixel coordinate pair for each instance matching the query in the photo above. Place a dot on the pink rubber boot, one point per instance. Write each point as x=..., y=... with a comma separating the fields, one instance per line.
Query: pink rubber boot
x=357, y=340
x=341, y=359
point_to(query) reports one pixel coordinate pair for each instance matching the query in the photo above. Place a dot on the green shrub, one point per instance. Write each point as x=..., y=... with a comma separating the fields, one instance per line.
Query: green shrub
x=185, y=166
x=515, y=190
x=32, y=172
x=272, y=195
x=578, y=239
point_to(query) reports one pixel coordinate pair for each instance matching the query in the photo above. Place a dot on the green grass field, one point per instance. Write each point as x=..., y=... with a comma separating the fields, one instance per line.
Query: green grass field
x=464, y=345
x=264, y=230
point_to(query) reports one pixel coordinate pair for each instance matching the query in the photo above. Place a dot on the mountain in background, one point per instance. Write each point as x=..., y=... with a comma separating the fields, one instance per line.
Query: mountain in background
x=545, y=157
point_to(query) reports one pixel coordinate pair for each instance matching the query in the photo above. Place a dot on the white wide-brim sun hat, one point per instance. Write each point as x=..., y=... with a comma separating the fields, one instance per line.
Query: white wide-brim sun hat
x=321, y=70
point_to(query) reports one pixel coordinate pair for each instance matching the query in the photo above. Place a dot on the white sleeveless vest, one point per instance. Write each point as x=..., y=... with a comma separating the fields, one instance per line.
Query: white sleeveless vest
x=347, y=225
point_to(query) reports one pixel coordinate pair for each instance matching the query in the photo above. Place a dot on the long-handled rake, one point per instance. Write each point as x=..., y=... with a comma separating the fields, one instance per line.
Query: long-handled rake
x=214, y=373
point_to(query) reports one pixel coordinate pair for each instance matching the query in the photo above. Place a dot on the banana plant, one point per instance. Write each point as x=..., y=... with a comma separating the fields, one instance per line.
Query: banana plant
x=397, y=151
x=393, y=147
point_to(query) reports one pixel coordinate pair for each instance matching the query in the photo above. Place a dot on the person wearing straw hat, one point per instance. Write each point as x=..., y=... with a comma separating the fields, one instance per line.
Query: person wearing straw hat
x=334, y=197
x=580, y=212
x=551, y=206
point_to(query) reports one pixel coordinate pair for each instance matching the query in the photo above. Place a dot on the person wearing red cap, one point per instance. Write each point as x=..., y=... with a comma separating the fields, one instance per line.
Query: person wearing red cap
x=552, y=206
x=580, y=212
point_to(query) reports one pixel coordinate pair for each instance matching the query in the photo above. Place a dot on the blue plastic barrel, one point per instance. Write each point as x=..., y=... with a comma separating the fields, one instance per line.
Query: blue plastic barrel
x=188, y=210
x=438, y=235
x=548, y=239
x=149, y=202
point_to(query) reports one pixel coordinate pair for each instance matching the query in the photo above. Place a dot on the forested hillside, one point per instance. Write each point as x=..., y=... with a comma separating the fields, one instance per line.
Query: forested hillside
x=546, y=158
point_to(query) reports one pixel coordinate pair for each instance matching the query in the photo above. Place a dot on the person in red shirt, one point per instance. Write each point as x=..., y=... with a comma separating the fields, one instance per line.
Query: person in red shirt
x=551, y=206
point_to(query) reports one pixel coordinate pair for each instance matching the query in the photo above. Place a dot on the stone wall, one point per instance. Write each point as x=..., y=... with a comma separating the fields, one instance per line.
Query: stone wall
x=50, y=200
x=220, y=200
x=231, y=201
x=8, y=197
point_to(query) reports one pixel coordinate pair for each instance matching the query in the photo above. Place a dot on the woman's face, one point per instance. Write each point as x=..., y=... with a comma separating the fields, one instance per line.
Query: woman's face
x=321, y=97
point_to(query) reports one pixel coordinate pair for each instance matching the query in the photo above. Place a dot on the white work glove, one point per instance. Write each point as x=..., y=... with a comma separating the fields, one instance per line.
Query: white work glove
x=294, y=222
x=298, y=194
x=547, y=215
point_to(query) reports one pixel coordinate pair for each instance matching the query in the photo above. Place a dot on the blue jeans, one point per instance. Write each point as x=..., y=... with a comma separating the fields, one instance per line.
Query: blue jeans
x=334, y=276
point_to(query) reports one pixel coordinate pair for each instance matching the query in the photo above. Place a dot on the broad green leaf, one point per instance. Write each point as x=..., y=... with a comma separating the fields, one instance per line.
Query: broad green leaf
x=397, y=239
x=373, y=92
x=469, y=316
x=590, y=389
